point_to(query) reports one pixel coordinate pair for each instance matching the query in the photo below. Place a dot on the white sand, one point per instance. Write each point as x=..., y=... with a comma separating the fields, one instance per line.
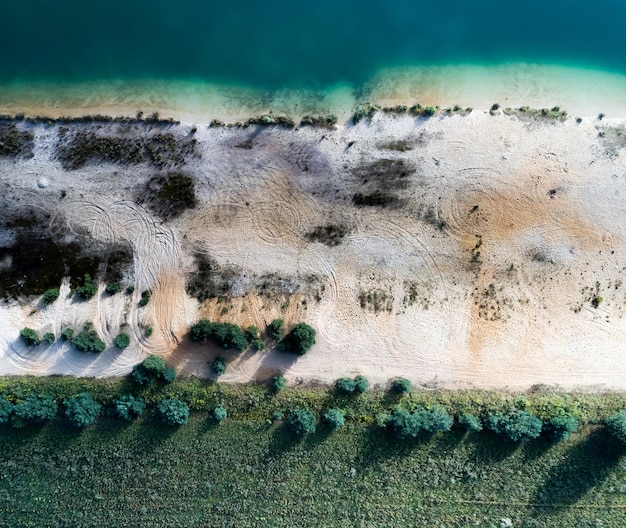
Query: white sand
x=546, y=201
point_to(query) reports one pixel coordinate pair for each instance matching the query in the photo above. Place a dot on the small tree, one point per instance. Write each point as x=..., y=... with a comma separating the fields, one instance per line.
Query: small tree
x=129, y=407
x=219, y=413
x=88, y=341
x=300, y=339
x=301, y=422
x=173, y=411
x=258, y=344
x=227, y=335
x=149, y=370
x=50, y=296
x=334, y=418
x=34, y=409
x=30, y=337
x=616, y=426
x=470, y=423
x=361, y=384
x=219, y=366
x=405, y=424
x=67, y=334
x=169, y=375
x=345, y=385
x=145, y=297
x=49, y=337
x=122, y=340
x=518, y=426
x=560, y=428
x=275, y=329
x=82, y=410
x=6, y=410
x=402, y=386
x=113, y=287
x=88, y=289
x=278, y=383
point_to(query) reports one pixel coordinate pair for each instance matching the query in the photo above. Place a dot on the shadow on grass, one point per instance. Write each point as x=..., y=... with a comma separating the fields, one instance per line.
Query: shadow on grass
x=490, y=448
x=584, y=466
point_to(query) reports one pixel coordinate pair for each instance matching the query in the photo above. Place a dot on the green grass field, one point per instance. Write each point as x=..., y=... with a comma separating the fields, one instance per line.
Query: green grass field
x=248, y=472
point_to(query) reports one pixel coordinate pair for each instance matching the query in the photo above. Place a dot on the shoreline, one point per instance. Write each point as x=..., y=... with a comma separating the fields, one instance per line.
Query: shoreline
x=581, y=92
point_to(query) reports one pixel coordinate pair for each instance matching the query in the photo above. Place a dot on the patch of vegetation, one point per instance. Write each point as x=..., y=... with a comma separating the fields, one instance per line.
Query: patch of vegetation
x=145, y=297
x=334, y=418
x=404, y=424
x=299, y=340
x=209, y=280
x=270, y=120
x=401, y=386
x=113, y=287
x=122, y=340
x=219, y=414
x=275, y=329
x=365, y=111
x=616, y=426
x=50, y=296
x=67, y=334
x=219, y=366
x=169, y=195
x=34, y=409
x=49, y=337
x=172, y=411
x=129, y=407
x=278, y=383
x=395, y=110
x=227, y=335
x=30, y=337
x=470, y=423
x=81, y=410
x=517, y=426
x=319, y=121
x=88, y=288
x=88, y=341
x=376, y=300
x=330, y=234
x=151, y=369
x=423, y=111
x=301, y=422
x=553, y=114
x=559, y=428
x=15, y=142
x=398, y=145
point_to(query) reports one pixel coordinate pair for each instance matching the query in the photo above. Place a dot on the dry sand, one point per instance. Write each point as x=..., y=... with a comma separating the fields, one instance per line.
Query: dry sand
x=485, y=267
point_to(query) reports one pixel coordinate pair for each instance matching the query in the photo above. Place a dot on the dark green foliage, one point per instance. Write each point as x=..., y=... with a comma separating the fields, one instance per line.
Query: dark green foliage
x=14, y=142
x=470, y=423
x=365, y=111
x=402, y=386
x=299, y=340
x=219, y=413
x=130, y=289
x=518, y=426
x=219, y=366
x=252, y=333
x=278, y=383
x=227, y=335
x=345, y=385
x=145, y=297
x=151, y=369
x=88, y=341
x=173, y=411
x=29, y=336
x=129, y=407
x=210, y=280
x=334, y=418
x=328, y=121
x=301, y=422
x=88, y=289
x=50, y=296
x=67, y=334
x=169, y=375
x=113, y=287
x=404, y=424
x=275, y=329
x=121, y=340
x=258, y=344
x=49, y=337
x=561, y=427
x=361, y=384
x=81, y=410
x=34, y=410
x=168, y=195
x=6, y=410
x=330, y=234
x=616, y=426
x=277, y=416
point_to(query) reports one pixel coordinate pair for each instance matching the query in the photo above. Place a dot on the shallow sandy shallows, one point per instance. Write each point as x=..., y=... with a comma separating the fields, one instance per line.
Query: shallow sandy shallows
x=497, y=261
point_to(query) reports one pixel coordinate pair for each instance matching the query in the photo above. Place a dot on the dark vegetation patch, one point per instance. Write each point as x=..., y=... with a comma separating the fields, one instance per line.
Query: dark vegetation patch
x=378, y=181
x=376, y=300
x=162, y=149
x=210, y=280
x=613, y=140
x=375, y=199
x=365, y=111
x=15, y=142
x=329, y=234
x=152, y=119
x=549, y=114
x=430, y=216
x=271, y=120
x=169, y=195
x=398, y=145
x=319, y=121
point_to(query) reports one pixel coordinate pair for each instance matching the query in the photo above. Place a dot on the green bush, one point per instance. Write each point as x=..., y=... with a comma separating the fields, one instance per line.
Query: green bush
x=6, y=410
x=616, y=426
x=121, y=340
x=299, y=340
x=560, y=428
x=470, y=423
x=277, y=416
x=518, y=426
x=301, y=422
x=67, y=334
x=361, y=384
x=252, y=333
x=275, y=329
x=151, y=369
x=173, y=411
x=88, y=288
x=30, y=337
x=404, y=424
x=345, y=385
x=49, y=337
x=219, y=413
x=130, y=289
x=258, y=344
x=50, y=296
x=402, y=386
x=334, y=418
x=278, y=383
x=88, y=341
x=145, y=297
x=227, y=335
x=113, y=287
x=82, y=410
x=129, y=407
x=219, y=366
x=169, y=375
x=34, y=409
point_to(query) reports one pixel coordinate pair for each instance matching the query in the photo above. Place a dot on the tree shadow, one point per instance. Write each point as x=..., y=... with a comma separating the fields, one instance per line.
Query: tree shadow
x=585, y=466
x=282, y=441
x=490, y=448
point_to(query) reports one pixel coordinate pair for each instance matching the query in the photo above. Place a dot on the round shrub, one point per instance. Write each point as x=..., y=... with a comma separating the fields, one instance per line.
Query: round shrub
x=219, y=366
x=227, y=335
x=67, y=334
x=301, y=422
x=34, y=409
x=405, y=424
x=334, y=418
x=113, y=287
x=81, y=410
x=173, y=411
x=361, y=384
x=470, y=423
x=518, y=426
x=49, y=337
x=169, y=375
x=30, y=336
x=275, y=329
x=88, y=288
x=88, y=341
x=6, y=410
x=129, y=407
x=616, y=426
x=122, y=340
x=50, y=296
x=402, y=386
x=145, y=297
x=560, y=428
x=278, y=383
x=300, y=339
x=219, y=413
x=345, y=385
x=149, y=370
x=258, y=344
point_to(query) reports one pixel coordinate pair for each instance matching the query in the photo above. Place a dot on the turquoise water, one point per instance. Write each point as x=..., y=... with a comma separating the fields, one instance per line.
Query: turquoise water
x=285, y=43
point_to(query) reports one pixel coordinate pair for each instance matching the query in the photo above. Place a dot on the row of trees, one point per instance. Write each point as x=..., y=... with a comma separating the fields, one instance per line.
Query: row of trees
x=86, y=341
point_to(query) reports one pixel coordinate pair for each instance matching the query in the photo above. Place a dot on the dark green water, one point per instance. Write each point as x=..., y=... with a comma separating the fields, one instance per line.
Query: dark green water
x=279, y=43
